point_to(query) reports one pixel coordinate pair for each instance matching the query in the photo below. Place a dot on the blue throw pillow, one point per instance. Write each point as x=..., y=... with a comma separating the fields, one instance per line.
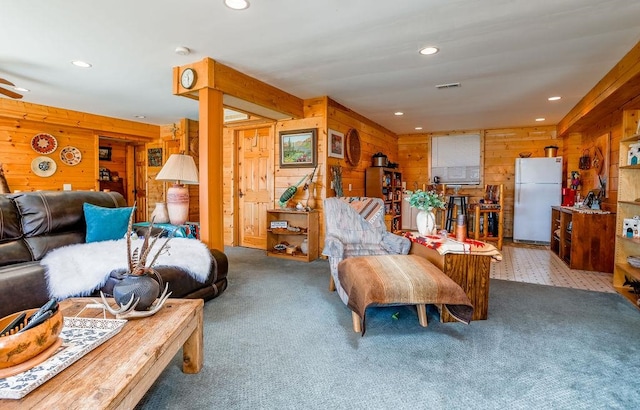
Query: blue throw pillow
x=104, y=224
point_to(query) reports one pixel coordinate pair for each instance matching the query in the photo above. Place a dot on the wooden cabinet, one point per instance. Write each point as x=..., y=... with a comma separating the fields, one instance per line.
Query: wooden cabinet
x=115, y=186
x=291, y=227
x=583, y=239
x=471, y=272
x=386, y=183
x=628, y=207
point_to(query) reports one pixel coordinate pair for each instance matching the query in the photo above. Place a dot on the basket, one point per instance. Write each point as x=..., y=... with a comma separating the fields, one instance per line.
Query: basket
x=21, y=347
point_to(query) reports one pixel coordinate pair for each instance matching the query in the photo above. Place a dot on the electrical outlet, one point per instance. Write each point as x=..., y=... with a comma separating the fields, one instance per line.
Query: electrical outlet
x=66, y=187
x=349, y=187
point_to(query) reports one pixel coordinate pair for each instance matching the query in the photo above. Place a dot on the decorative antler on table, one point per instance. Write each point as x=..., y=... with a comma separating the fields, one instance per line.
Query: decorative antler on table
x=128, y=311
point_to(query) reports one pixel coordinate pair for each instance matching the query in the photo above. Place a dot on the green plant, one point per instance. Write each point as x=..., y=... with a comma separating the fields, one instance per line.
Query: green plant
x=425, y=200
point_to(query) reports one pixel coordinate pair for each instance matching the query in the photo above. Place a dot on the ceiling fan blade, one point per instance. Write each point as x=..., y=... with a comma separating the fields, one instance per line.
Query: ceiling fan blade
x=7, y=82
x=10, y=93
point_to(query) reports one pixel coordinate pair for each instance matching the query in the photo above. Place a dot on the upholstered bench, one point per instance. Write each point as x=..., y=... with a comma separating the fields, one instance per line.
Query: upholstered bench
x=387, y=280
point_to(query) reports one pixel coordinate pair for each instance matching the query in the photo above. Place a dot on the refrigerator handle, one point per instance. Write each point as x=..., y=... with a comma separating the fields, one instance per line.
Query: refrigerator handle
x=518, y=175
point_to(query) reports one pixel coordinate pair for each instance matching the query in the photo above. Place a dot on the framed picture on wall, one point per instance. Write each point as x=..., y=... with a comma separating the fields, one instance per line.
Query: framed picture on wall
x=335, y=140
x=104, y=153
x=154, y=157
x=298, y=148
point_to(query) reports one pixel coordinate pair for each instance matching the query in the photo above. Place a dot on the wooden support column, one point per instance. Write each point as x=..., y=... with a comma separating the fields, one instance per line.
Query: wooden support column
x=211, y=170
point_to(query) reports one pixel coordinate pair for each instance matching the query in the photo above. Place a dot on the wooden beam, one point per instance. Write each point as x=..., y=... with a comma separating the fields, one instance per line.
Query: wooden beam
x=75, y=119
x=619, y=86
x=211, y=168
x=212, y=74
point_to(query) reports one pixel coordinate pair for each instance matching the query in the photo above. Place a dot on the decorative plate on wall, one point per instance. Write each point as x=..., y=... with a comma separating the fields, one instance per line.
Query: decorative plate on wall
x=353, y=147
x=70, y=155
x=43, y=166
x=44, y=143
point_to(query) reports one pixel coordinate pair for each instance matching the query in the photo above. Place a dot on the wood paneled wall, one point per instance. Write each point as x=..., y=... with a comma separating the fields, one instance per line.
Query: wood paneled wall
x=118, y=162
x=499, y=150
x=20, y=121
x=320, y=113
x=373, y=139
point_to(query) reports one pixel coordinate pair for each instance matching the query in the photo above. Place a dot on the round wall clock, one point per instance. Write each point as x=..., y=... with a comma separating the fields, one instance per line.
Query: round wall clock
x=44, y=143
x=188, y=78
x=70, y=155
x=353, y=147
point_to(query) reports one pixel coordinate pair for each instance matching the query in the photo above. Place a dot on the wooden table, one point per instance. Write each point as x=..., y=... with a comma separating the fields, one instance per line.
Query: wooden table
x=120, y=371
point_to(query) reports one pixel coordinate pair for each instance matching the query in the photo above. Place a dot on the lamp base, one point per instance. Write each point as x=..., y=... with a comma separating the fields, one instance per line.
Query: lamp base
x=178, y=204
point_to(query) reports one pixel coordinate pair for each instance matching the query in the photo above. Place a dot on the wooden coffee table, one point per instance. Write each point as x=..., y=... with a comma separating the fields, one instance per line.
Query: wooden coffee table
x=120, y=371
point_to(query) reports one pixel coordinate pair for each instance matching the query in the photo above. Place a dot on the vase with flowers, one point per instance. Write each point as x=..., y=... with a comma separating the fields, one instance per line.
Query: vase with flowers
x=425, y=202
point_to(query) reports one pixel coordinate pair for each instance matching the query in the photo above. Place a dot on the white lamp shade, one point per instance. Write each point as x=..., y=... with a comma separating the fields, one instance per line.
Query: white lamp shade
x=180, y=168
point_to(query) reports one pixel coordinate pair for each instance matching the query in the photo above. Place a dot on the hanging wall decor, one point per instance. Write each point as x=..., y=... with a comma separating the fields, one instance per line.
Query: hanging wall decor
x=104, y=153
x=43, y=166
x=44, y=143
x=353, y=147
x=335, y=141
x=154, y=157
x=70, y=155
x=298, y=149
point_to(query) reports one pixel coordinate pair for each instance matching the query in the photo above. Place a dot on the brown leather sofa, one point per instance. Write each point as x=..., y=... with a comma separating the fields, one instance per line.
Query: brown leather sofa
x=33, y=223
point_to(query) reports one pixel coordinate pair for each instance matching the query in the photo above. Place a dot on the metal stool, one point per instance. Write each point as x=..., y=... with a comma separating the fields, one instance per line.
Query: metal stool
x=450, y=208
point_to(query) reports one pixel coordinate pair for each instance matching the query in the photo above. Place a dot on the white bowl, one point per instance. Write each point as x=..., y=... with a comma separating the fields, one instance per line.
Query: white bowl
x=634, y=260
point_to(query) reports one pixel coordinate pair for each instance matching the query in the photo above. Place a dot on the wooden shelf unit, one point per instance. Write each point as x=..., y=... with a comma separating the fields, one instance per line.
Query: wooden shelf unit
x=307, y=220
x=386, y=183
x=628, y=207
x=583, y=240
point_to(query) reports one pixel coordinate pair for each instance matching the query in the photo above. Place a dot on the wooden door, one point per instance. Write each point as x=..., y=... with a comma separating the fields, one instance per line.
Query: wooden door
x=255, y=184
x=140, y=182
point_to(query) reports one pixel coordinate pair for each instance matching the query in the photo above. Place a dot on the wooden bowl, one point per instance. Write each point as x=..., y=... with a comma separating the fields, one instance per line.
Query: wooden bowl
x=524, y=154
x=20, y=347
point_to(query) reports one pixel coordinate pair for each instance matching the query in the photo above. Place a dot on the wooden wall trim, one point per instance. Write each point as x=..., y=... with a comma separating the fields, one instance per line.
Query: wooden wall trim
x=114, y=127
x=212, y=74
x=334, y=104
x=619, y=86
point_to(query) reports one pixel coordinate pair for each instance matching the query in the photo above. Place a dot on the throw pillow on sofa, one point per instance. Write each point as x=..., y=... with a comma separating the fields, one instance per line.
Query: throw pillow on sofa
x=105, y=224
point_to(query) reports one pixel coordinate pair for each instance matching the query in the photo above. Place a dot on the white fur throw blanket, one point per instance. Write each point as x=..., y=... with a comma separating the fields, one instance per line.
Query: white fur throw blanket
x=78, y=270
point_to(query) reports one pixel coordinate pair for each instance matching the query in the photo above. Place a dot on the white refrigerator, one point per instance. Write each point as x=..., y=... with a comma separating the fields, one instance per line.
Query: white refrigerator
x=538, y=187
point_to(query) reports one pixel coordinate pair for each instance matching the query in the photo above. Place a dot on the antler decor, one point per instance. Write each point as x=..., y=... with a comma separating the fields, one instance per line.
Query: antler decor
x=136, y=293
x=128, y=311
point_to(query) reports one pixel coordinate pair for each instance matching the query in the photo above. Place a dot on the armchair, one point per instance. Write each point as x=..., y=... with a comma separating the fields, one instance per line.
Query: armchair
x=354, y=226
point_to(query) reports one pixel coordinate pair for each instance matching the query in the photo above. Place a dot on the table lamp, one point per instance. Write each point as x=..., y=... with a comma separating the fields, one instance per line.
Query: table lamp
x=181, y=169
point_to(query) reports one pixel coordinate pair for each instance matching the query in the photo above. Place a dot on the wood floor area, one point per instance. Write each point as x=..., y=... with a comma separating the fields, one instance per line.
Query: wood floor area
x=537, y=264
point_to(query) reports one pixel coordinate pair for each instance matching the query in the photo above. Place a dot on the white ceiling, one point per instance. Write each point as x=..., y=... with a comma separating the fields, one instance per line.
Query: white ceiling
x=509, y=55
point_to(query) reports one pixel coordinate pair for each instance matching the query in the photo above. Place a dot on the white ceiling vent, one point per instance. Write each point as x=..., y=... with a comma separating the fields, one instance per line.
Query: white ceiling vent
x=449, y=85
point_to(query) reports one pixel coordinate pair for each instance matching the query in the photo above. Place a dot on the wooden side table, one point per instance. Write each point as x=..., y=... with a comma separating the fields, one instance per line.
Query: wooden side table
x=471, y=272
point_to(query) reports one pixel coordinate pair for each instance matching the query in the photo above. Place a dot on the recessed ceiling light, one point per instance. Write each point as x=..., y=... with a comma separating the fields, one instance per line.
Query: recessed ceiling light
x=418, y=128
x=398, y=113
x=24, y=90
x=427, y=51
x=140, y=116
x=237, y=4
x=554, y=98
x=81, y=64
x=540, y=119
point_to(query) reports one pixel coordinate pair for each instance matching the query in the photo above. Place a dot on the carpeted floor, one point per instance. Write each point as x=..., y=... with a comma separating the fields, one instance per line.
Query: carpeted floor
x=278, y=339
